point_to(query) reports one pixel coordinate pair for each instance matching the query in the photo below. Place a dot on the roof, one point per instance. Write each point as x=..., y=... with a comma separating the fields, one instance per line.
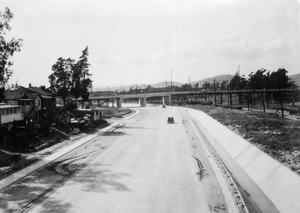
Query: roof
x=41, y=91
x=12, y=94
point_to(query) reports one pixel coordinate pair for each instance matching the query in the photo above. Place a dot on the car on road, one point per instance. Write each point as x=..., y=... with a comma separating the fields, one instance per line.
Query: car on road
x=170, y=120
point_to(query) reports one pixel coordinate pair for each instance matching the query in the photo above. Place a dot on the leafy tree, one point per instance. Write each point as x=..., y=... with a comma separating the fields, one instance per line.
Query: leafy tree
x=279, y=79
x=7, y=48
x=186, y=87
x=60, y=80
x=216, y=85
x=258, y=80
x=80, y=77
x=223, y=85
x=238, y=82
x=207, y=86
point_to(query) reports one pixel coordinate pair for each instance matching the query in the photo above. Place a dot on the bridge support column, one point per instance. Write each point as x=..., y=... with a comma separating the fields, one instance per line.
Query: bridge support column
x=142, y=102
x=119, y=103
x=167, y=100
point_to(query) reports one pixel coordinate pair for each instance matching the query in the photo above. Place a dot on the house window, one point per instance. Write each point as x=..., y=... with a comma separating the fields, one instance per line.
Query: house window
x=7, y=111
x=3, y=112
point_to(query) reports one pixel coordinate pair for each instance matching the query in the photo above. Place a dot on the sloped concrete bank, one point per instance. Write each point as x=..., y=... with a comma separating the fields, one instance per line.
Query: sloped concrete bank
x=272, y=186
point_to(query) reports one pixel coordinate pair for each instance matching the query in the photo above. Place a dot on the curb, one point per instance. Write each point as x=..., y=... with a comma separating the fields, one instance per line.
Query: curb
x=134, y=114
x=19, y=175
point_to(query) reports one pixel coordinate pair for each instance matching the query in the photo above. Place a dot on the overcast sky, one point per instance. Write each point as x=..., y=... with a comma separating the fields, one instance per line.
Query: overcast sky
x=140, y=41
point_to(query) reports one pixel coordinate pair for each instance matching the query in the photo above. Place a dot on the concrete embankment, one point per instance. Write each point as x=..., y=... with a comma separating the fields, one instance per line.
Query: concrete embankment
x=272, y=186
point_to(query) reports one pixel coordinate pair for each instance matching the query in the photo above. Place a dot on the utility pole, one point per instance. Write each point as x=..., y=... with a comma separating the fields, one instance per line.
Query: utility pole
x=189, y=80
x=215, y=92
x=166, y=84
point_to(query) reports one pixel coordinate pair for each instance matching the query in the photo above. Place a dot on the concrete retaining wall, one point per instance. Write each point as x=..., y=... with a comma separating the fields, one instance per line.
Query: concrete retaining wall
x=280, y=185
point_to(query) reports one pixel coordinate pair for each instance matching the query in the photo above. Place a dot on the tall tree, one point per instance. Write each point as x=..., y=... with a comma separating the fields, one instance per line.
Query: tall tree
x=60, y=80
x=238, y=82
x=186, y=87
x=80, y=77
x=258, y=80
x=224, y=85
x=7, y=48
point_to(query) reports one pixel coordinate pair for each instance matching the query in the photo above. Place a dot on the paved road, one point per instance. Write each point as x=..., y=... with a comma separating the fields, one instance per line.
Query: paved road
x=146, y=165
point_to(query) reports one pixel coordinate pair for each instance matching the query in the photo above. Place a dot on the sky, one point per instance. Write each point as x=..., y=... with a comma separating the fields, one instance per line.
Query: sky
x=141, y=41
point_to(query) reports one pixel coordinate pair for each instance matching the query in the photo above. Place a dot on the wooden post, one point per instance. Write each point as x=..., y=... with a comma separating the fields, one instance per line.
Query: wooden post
x=293, y=94
x=230, y=96
x=281, y=104
x=262, y=100
x=215, y=92
x=221, y=98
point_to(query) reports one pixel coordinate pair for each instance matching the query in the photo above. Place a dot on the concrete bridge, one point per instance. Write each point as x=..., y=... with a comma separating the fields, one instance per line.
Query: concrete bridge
x=218, y=96
x=142, y=97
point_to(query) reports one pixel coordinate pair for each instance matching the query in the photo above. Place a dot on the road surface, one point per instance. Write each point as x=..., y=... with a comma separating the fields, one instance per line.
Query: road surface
x=144, y=166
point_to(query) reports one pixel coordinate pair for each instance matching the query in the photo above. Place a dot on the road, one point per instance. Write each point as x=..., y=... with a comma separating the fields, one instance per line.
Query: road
x=146, y=165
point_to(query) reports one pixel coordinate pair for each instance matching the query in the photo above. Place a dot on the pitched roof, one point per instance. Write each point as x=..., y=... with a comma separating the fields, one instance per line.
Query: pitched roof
x=41, y=91
x=23, y=92
x=12, y=94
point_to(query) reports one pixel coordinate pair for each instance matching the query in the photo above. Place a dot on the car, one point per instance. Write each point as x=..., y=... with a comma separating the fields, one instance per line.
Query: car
x=170, y=120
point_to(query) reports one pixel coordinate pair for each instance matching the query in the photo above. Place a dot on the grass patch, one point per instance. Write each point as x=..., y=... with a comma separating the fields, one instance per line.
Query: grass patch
x=115, y=112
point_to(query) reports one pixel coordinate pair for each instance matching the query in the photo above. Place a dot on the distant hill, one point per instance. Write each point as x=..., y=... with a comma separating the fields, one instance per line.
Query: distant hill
x=218, y=78
x=296, y=79
x=163, y=84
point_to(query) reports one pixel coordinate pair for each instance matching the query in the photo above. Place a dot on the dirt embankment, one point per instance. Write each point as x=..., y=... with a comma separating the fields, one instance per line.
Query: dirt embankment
x=278, y=137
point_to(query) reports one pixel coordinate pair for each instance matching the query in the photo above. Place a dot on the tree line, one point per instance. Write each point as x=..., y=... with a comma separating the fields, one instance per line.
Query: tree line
x=261, y=79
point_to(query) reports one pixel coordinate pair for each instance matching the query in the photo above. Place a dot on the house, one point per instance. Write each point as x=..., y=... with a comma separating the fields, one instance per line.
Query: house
x=36, y=103
x=47, y=102
x=10, y=114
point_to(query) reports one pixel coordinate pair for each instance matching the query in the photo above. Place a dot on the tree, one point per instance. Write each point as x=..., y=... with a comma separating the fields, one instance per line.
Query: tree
x=7, y=48
x=60, y=80
x=238, y=82
x=223, y=85
x=279, y=79
x=80, y=77
x=207, y=86
x=258, y=80
x=186, y=87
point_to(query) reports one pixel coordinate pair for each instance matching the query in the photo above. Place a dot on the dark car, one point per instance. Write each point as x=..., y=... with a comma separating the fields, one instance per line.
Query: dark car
x=170, y=120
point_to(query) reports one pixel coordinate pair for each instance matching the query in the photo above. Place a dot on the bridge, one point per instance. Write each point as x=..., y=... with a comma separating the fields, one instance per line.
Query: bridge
x=142, y=97
x=218, y=97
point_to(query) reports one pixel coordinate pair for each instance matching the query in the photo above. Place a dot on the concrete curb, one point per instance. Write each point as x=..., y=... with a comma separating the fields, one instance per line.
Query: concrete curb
x=4, y=183
x=278, y=183
x=134, y=114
